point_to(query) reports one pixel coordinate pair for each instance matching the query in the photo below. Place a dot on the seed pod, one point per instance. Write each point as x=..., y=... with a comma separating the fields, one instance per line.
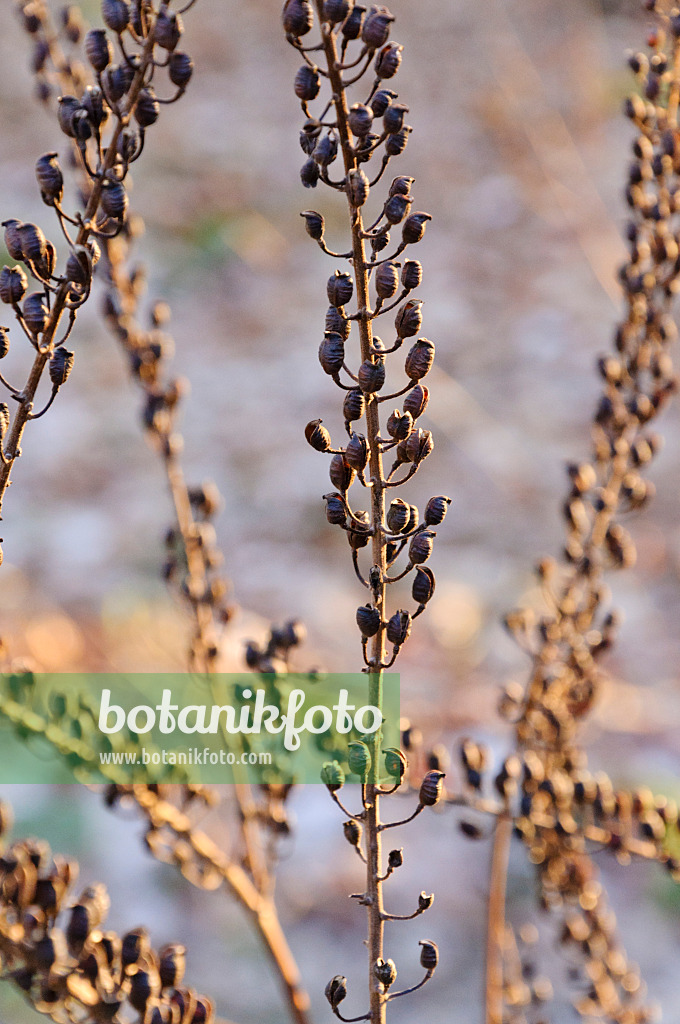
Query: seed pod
x=144, y=985
x=359, y=759
x=353, y=405
x=50, y=178
x=341, y=473
x=98, y=49
x=115, y=82
x=387, y=279
x=13, y=238
x=168, y=29
x=353, y=831
x=332, y=353
x=4, y=420
x=33, y=243
x=93, y=105
x=368, y=620
x=135, y=946
x=353, y=23
x=116, y=14
x=399, y=425
x=147, y=107
x=357, y=187
x=387, y=60
x=429, y=955
x=380, y=241
x=381, y=101
x=385, y=971
x=326, y=150
x=336, y=509
x=79, y=266
x=371, y=376
x=337, y=323
x=360, y=119
x=416, y=400
x=396, y=143
x=336, y=990
x=399, y=628
x=13, y=285
x=317, y=436
x=309, y=136
x=436, y=510
x=81, y=126
x=420, y=547
x=425, y=901
x=307, y=83
x=68, y=105
x=309, y=173
x=314, y=224
x=376, y=27
x=114, y=200
x=356, y=452
x=431, y=788
x=336, y=11
x=298, y=17
x=412, y=274
x=4, y=341
x=35, y=312
x=180, y=69
x=395, y=766
x=398, y=515
x=172, y=962
x=332, y=775
x=409, y=319
x=414, y=227
x=393, y=118
x=423, y=584
x=339, y=288
x=397, y=207
x=359, y=530
x=419, y=359
x=60, y=366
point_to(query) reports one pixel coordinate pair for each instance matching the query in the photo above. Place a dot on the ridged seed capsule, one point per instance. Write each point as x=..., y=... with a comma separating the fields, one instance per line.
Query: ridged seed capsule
x=4, y=341
x=337, y=323
x=353, y=23
x=387, y=279
x=68, y=105
x=436, y=509
x=368, y=620
x=398, y=515
x=115, y=82
x=359, y=759
x=359, y=530
x=35, y=312
x=13, y=285
x=360, y=119
x=180, y=69
x=419, y=359
x=336, y=990
x=336, y=509
x=421, y=547
x=98, y=49
x=332, y=353
x=358, y=187
x=423, y=584
x=60, y=366
x=409, y=319
x=298, y=17
x=396, y=143
x=399, y=628
x=168, y=29
x=371, y=376
x=336, y=11
x=332, y=775
x=309, y=173
x=397, y=207
x=416, y=400
x=314, y=224
x=341, y=473
x=376, y=27
x=354, y=405
x=13, y=238
x=399, y=425
x=381, y=101
x=395, y=766
x=317, y=436
x=414, y=227
x=386, y=972
x=356, y=452
x=147, y=107
x=326, y=150
x=50, y=178
x=429, y=955
x=393, y=118
x=340, y=288
x=411, y=274
x=116, y=14
x=307, y=83
x=172, y=962
x=431, y=788
x=353, y=831
x=114, y=199
x=387, y=60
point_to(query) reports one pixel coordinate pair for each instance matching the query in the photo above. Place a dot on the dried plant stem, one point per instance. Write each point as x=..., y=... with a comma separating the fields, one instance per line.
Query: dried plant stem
x=495, y=922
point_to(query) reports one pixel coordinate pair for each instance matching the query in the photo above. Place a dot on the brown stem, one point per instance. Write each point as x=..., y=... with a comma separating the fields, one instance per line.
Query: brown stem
x=495, y=934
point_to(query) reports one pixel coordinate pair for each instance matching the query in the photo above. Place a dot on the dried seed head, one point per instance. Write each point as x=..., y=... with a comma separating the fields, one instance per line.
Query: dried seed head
x=398, y=515
x=393, y=118
x=135, y=947
x=332, y=775
x=360, y=119
x=354, y=405
x=431, y=788
x=409, y=320
x=79, y=266
x=336, y=11
x=429, y=955
x=371, y=376
x=387, y=60
x=359, y=759
x=395, y=858
x=414, y=227
x=396, y=143
x=116, y=14
x=309, y=173
x=332, y=353
x=395, y=766
x=356, y=452
x=420, y=359
x=425, y=901
x=353, y=831
x=412, y=274
x=376, y=27
x=147, y=107
x=13, y=239
x=436, y=510
x=380, y=241
x=172, y=961
x=50, y=178
x=359, y=530
x=180, y=69
x=399, y=628
x=336, y=990
x=314, y=224
x=307, y=83
x=115, y=82
x=386, y=972
x=416, y=400
x=13, y=285
x=397, y=207
x=381, y=101
x=352, y=26
x=357, y=187
x=114, y=200
x=420, y=547
x=340, y=288
x=387, y=279
x=341, y=473
x=337, y=323
x=93, y=105
x=168, y=29
x=298, y=17
x=399, y=425
x=326, y=150
x=98, y=49
x=318, y=436
x=81, y=126
x=61, y=363
x=35, y=312
x=68, y=105
x=423, y=584
x=336, y=509
x=33, y=243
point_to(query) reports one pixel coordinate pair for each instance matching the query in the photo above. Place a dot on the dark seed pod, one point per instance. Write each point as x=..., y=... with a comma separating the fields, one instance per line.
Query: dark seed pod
x=436, y=510
x=50, y=178
x=13, y=238
x=98, y=49
x=418, y=445
x=381, y=101
x=314, y=224
x=371, y=376
x=429, y=955
x=365, y=146
x=60, y=366
x=116, y=14
x=147, y=107
x=317, y=436
x=395, y=766
x=412, y=274
x=326, y=150
x=340, y=288
x=168, y=29
x=341, y=473
x=368, y=620
x=35, y=312
x=399, y=425
x=401, y=185
x=353, y=831
x=396, y=143
x=79, y=267
x=420, y=547
x=33, y=243
x=386, y=972
x=336, y=990
x=416, y=400
x=115, y=82
x=420, y=359
x=332, y=775
x=4, y=341
x=82, y=128
x=336, y=11
x=336, y=509
x=180, y=69
x=380, y=241
x=423, y=584
x=414, y=227
x=65, y=111
x=359, y=759
x=360, y=119
x=398, y=515
x=332, y=353
x=399, y=628
x=172, y=962
x=4, y=426
x=409, y=319
x=397, y=207
x=309, y=173
x=352, y=26
x=357, y=452
x=393, y=118
x=387, y=279
x=337, y=323
x=298, y=17
x=144, y=985
x=13, y=285
x=114, y=199
x=376, y=27
x=431, y=788
x=387, y=60
x=357, y=187
x=354, y=405
x=425, y=901
x=93, y=105
x=135, y=946
x=307, y=83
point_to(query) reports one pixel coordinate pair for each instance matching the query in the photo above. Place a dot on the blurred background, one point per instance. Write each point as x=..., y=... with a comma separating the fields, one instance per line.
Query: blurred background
x=519, y=151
